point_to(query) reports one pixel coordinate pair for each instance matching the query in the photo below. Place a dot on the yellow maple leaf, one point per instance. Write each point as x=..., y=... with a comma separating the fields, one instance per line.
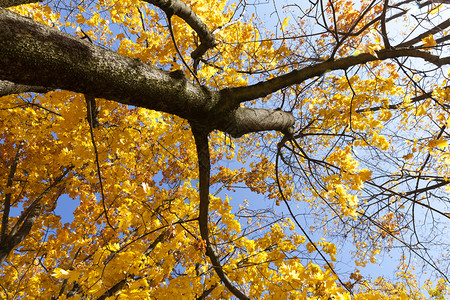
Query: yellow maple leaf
x=429, y=41
x=442, y=144
x=436, y=9
x=285, y=23
x=408, y=156
x=61, y=273
x=80, y=19
x=368, y=48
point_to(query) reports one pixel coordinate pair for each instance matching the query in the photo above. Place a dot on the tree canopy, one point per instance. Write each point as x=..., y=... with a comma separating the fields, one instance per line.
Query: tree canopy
x=224, y=149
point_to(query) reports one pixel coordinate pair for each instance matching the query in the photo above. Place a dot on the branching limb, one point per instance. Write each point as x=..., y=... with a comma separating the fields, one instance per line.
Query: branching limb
x=105, y=74
x=7, y=202
x=283, y=197
x=198, y=53
x=438, y=28
x=264, y=88
x=204, y=165
x=26, y=220
x=180, y=9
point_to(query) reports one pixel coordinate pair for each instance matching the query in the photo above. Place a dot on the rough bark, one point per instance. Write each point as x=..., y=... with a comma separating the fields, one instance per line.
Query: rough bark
x=33, y=53
x=246, y=120
x=9, y=88
x=204, y=166
x=36, y=55
x=11, y=3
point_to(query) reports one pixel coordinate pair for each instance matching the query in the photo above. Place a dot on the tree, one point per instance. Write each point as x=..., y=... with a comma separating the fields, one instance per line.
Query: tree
x=99, y=102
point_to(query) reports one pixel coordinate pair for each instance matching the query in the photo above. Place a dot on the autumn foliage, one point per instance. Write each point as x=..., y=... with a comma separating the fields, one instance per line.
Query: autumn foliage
x=215, y=152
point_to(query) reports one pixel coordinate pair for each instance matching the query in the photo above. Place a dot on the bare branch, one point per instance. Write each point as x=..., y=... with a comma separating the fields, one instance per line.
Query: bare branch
x=202, y=144
x=7, y=202
x=247, y=120
x=417, y=39
x=93, y=121
x=384, y=34
x=264, y=88
x=26, y=220
x=395, y=106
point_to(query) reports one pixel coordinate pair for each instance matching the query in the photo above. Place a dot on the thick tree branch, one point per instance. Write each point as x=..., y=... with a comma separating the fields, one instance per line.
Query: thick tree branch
x=114, y=289
x=384, y=33
x=204, y=165
x=13, y=240
x=11, y=3
x=37, y=55
x=10, y=88
x=264, y=88
x=246, y=120
x=207, y=292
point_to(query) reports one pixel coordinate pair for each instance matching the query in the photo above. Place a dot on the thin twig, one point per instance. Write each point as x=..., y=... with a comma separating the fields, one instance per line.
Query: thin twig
x=283, y=197
x=169, y=21
x=89, y=100
x=7, y=204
